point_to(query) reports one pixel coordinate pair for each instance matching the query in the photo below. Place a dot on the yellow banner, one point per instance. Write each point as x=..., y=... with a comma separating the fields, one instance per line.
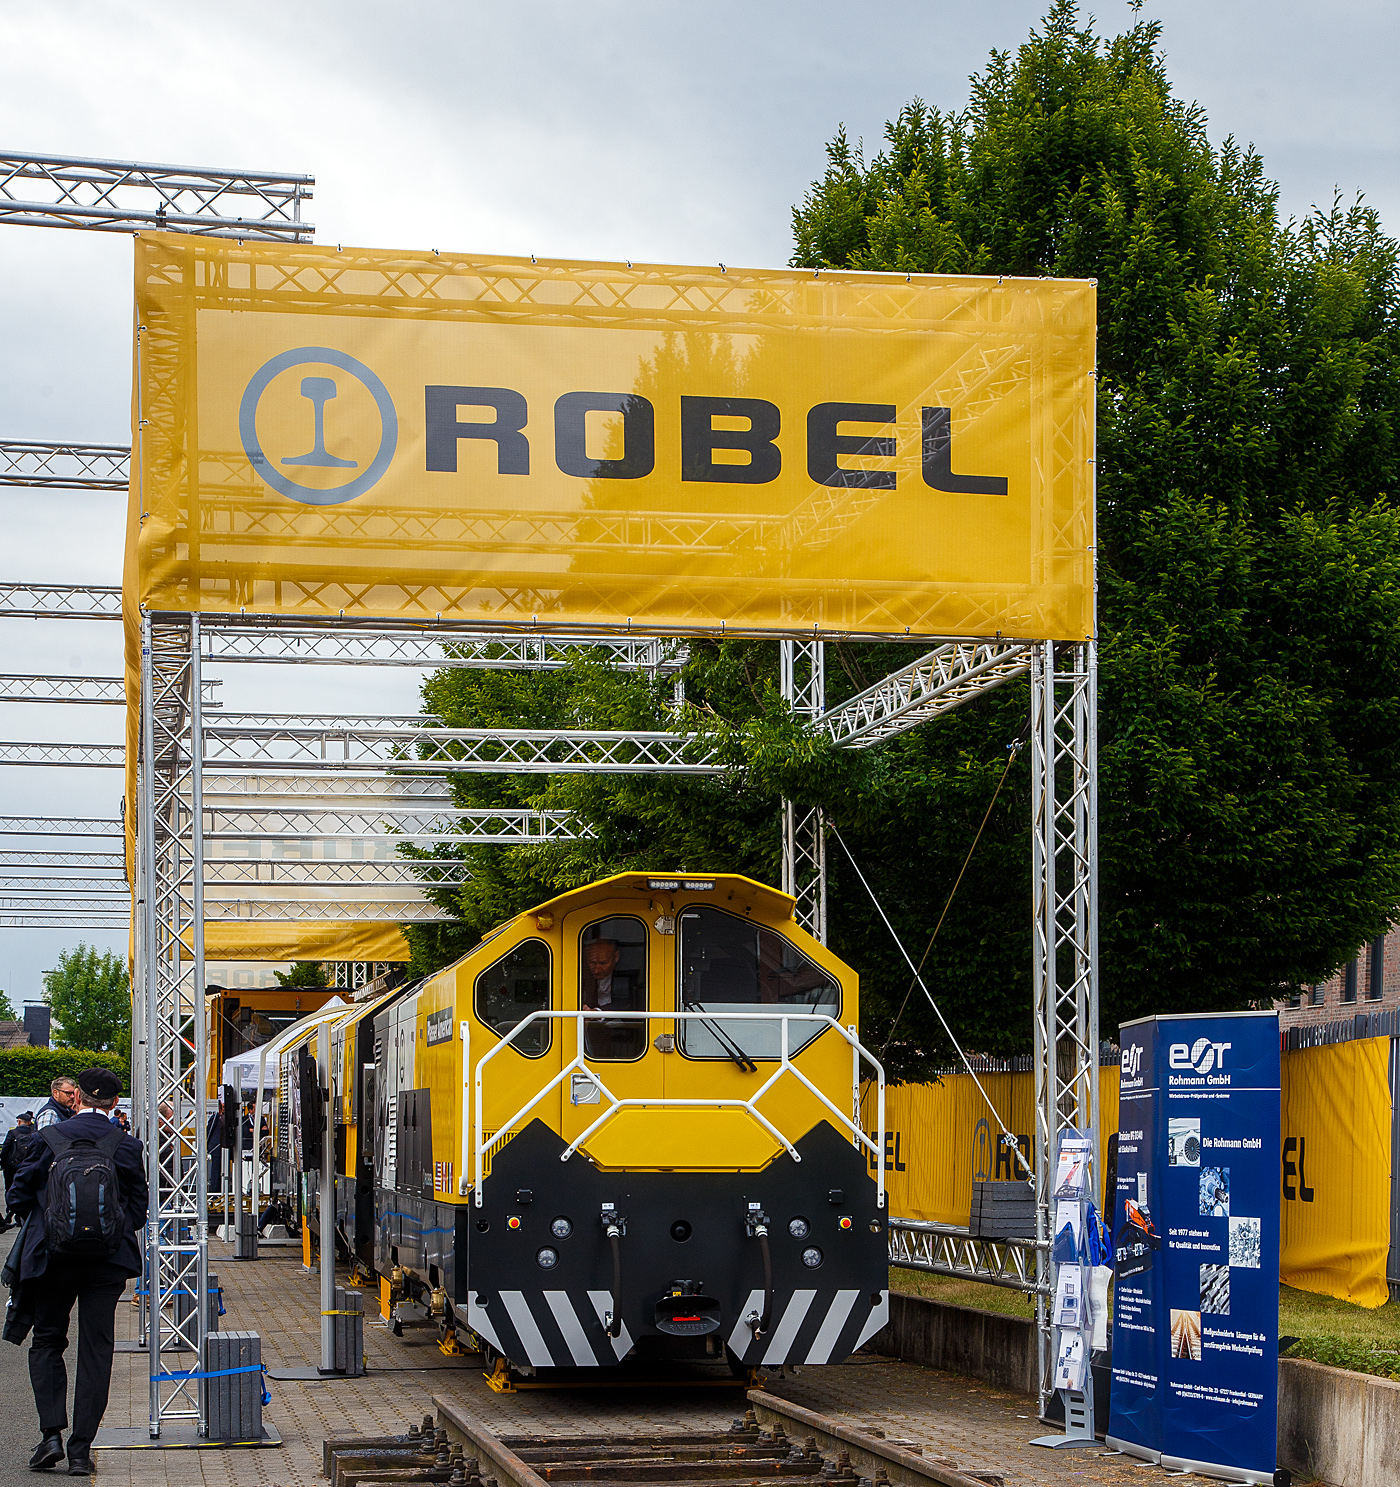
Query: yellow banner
x=1335, y=1206
x=1334, y=1165
x=940, y=1136
x=411, y=435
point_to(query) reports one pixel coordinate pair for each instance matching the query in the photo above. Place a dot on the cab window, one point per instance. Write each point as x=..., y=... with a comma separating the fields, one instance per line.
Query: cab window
x=513, y=987
x=612, y=978
x=729, y=964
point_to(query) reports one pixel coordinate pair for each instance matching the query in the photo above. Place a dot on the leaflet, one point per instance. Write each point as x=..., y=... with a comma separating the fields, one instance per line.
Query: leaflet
x=1069, y=1296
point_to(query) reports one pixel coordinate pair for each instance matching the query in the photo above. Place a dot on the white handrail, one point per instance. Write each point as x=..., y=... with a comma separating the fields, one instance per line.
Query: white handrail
x=482, y=1148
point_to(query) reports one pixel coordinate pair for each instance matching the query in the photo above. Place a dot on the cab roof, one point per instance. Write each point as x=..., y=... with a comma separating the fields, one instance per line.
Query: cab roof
x=726, y=887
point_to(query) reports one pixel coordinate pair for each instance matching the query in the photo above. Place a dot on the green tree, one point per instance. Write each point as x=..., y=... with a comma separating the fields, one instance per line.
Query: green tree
x=90, y=996
x=302, y=973
x=1249, y=398
x=7, y=1009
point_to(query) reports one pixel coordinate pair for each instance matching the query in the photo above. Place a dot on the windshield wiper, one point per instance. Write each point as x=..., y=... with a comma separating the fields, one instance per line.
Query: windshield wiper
x=730, y=1047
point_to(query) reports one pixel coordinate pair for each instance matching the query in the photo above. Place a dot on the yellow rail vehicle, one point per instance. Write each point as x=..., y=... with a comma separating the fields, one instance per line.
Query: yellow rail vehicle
x=628, y=1123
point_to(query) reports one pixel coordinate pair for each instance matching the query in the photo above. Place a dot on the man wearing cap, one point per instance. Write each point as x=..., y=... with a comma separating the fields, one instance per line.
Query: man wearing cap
x=54, y=1281
x=12, y=1153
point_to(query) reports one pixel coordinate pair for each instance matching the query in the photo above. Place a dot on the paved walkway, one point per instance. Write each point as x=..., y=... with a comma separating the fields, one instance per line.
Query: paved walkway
x=961, y=1421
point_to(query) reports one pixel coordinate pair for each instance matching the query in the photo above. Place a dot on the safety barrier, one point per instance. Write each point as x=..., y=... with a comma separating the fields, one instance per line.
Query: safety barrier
x=484, y=1145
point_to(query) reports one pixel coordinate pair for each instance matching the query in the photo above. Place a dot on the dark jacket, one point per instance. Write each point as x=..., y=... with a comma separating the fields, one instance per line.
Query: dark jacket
x=27, y=1193
x=17, y=1143
x=51, y=1106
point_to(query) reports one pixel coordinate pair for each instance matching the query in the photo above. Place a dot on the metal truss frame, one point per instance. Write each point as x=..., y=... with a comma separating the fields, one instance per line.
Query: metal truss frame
x=171, y=1028
x=936, y=683
x=63, y=826
x=1065, y=972
x=356, y=974
x=40, y=463
x=942, y=1249
x=80, y=689
x=127, y=196
x=60, y=601
x=268, y=745
x=64, y=755
x=802, y=680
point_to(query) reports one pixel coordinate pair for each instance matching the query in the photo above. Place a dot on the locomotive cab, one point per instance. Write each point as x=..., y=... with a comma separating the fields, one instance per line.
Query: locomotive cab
x=627, y=1123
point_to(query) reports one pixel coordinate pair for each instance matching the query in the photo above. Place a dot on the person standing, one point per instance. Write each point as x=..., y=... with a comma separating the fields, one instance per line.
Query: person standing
x=61, y=1103
x=78, y=1247
x=12, y=1153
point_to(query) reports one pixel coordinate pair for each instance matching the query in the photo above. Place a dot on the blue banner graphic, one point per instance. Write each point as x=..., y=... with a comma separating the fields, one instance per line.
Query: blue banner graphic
x=1195, y=1229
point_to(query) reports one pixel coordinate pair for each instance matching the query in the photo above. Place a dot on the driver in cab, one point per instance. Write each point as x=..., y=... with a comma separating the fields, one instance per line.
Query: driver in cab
x=606, y=988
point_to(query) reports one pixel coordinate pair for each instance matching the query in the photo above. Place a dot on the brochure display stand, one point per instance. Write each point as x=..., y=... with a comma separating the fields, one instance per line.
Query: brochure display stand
x=1196, y=1229
x=1080, y=1273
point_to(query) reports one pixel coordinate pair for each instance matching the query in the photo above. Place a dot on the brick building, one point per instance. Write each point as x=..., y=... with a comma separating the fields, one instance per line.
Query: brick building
x=1369, y=982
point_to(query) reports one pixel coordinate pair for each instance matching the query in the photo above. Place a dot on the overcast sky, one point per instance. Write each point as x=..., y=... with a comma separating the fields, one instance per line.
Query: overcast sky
x=664, y=132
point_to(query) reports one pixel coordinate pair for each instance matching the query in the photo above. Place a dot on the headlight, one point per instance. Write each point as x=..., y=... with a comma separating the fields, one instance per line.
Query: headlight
x=812, y=1257
x=548, y=1258
x=561, y=1228
x=799, y=1228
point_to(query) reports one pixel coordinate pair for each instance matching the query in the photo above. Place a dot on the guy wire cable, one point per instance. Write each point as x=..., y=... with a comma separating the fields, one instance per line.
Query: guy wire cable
x=879, y=909
x=1013, y=748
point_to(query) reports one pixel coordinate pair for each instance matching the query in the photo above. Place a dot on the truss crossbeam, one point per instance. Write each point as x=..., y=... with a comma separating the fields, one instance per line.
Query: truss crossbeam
x=943, y=1250
x=127, y=196
x=421, y=646
x=94, y=921
x=64, y=826
x=338, y=909
x=60, y=601
x=466, y=750
x=467, y=824
x=31, y=462
x=18, y=857
x=936, y=683
x=70, y=755
x=292, y=872
x=366, y=791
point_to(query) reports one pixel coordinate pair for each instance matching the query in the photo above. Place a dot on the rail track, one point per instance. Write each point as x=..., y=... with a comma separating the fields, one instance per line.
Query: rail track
x=775, y=1444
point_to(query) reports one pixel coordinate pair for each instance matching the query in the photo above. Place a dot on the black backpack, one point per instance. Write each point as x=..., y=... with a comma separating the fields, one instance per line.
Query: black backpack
x=82, y=1201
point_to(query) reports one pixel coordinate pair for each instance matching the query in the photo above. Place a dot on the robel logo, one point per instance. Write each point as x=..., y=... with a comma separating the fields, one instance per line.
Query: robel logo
x=1202, y=1055
x=280, y=415
x=1131, y=1061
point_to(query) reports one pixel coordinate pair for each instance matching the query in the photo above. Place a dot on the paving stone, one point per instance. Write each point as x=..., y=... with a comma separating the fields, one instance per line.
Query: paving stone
x=959, y=1420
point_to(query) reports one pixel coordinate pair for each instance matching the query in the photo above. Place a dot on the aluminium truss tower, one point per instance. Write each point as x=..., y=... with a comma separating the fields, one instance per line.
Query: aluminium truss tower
x=802, y=679
x=1065, y=970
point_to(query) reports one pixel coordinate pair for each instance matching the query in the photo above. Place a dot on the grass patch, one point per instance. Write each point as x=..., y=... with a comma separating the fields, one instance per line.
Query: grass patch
x=1328, y=1331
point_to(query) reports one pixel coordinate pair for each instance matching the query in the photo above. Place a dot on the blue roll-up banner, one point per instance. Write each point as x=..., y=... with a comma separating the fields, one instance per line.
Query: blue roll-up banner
x=1195, y=1227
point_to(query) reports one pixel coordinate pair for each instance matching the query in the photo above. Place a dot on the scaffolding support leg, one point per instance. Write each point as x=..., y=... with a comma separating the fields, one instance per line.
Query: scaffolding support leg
x=802, y=677
x=1064, y=810
x=170, y=974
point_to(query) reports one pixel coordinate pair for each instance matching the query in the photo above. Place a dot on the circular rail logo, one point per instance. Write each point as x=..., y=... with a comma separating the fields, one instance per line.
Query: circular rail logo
x=313, y=439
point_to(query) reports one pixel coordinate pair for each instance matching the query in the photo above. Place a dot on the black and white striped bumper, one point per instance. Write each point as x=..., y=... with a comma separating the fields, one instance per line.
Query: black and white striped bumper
x=554, y=1314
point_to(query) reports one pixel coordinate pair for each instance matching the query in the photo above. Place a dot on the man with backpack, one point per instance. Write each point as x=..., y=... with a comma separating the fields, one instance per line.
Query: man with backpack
x=82, y=1189
x=12, y=1153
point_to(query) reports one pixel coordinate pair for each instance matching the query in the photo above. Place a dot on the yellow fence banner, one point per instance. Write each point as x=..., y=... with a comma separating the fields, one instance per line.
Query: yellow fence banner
x=939, y=1137
x=1335, y=1177
x=1334, y=1164
x=323, y=432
